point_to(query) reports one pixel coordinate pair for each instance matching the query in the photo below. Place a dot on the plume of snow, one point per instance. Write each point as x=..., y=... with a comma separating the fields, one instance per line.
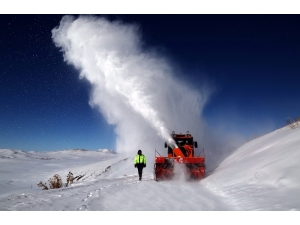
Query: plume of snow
x=134, y=88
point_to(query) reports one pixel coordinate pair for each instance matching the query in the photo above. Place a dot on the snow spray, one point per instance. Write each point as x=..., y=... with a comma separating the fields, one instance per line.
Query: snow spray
x=133, y=87
x=180, y=172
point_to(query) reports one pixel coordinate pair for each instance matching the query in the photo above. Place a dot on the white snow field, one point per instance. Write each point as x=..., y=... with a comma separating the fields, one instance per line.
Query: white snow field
x=261, y=175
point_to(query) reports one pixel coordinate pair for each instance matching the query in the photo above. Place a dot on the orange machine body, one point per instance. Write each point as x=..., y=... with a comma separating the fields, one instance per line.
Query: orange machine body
x=183, y=153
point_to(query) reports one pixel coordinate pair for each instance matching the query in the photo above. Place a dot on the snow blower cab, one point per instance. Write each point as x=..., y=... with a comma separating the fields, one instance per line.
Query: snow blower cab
x=182, y=153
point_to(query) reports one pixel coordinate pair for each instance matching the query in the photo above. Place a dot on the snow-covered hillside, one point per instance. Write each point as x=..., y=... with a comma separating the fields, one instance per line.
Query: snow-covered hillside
x=261, y=175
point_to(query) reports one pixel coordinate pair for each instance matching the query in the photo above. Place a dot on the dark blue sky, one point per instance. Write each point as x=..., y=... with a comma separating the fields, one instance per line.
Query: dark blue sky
x=251, y=60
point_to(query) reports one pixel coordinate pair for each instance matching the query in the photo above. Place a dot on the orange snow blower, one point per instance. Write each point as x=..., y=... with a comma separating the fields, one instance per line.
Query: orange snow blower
x=183, y=153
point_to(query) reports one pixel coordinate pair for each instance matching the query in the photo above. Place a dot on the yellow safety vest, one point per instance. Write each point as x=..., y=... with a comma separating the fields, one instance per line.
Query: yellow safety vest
x=140, y=159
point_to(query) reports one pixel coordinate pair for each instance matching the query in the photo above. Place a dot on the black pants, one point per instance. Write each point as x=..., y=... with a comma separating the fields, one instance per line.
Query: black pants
x=140, y=170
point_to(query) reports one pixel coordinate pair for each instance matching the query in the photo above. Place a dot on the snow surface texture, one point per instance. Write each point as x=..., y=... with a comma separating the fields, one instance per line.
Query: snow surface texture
x=261, y=175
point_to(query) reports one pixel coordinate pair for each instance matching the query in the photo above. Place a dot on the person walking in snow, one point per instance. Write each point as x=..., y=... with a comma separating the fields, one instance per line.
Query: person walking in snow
x=140, y=163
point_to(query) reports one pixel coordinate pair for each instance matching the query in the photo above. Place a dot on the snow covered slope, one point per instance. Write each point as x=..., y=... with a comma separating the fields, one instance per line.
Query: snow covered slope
x=260, y=175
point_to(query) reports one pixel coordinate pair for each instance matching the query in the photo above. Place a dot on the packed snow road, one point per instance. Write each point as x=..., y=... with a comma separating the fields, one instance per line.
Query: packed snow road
x=110, y=183
x=121, y=194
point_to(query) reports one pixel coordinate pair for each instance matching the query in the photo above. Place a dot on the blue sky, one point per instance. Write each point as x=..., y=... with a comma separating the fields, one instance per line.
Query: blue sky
x=251, y=61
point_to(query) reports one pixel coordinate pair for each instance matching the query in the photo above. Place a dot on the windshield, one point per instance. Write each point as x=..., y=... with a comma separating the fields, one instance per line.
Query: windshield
x=184, y=141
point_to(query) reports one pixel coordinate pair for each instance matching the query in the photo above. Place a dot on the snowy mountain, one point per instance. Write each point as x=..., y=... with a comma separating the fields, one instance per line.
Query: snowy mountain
x=261, y=175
